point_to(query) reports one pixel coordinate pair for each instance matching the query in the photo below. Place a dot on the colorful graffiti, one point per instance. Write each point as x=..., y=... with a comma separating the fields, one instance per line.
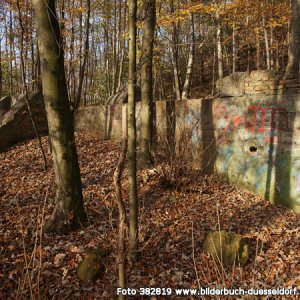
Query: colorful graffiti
x=265, y=121
x=270, y=118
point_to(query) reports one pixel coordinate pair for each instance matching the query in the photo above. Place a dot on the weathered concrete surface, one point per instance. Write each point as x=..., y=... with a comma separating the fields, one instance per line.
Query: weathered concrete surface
x=258, y=138
x=16, y=124
x=121, y=96
x=232, y=85
x=104, y=121
x=250, y=136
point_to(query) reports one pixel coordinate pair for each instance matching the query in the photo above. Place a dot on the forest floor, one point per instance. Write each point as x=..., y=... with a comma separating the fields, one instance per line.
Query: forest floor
x=175, y=215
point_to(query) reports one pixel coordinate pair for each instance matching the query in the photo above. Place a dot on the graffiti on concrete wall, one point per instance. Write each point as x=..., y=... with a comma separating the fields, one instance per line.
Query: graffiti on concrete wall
x=262, y=120
x=268, y=118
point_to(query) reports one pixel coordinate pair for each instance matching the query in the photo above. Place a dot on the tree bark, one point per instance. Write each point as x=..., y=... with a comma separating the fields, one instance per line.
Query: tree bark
x=292, y=69
x=121, y=257
x=219, y=48
x=248, y=46
x=188, y=76
x=69, y=200
x=85, y=57
x=0, y=69
x=11, y=43
x=26, y=89
x=147, y=81
x=122, y=52
x=175, y=56
x=266, y=37
x=133, y=198
x=258, y=51
x=234, y=48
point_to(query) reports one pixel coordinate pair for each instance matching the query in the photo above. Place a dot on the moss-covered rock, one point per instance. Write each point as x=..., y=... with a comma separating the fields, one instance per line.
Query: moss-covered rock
x=233, y=249
x=92, y=267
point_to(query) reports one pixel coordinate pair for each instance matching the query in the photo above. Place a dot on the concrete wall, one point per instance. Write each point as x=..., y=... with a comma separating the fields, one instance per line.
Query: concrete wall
x=250, y=134
x=5, y=105
x=16, y=124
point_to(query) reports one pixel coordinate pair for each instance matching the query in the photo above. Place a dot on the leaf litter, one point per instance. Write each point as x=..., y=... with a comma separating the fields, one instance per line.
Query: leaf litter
x=174, y=219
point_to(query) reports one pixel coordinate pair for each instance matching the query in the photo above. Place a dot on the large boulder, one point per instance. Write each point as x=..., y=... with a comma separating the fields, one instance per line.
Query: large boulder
x=227, y=247
x=16, y=124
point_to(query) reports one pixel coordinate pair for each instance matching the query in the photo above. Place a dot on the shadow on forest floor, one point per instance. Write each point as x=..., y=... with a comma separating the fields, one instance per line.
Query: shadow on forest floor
x=173, y=224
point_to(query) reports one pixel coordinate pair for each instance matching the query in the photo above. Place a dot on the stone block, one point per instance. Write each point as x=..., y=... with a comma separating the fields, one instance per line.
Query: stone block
x=92, y=267
x=263, y=74
x=261, y=88
x=227, y=247
x=232, y=86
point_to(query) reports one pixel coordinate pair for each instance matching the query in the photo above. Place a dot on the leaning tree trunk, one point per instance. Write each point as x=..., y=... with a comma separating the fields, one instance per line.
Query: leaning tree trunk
x=69, y=201
x=188, y=76
x=133, y=198
x=292, y=68
x=146, y=81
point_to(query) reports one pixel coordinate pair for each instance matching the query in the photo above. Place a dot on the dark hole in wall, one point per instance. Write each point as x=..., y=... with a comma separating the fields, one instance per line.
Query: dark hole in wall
x=253, y=149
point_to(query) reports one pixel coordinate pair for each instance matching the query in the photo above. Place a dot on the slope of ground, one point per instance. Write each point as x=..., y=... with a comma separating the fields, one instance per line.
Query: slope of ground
x=174, y=218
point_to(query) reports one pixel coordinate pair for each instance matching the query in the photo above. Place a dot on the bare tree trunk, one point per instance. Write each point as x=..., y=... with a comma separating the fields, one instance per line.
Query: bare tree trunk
x=121, y=257
x=189, y=71
x=277, y=57
x=26, y=89
x=233, y=48
x=86, y=52
x=107, y=60
x=214, y=73
x=175, y=56
x=11, y=43
x=122, y=52
x=258, y=52
x=147, y=81
x=33, y=75
x=0, y=69
x=72, y=84
x=80, y=39
x=38, y=70
x=114, y=48
x=121, y=69
x=271, y=49
x=219, y=48
x=69, y=200
x=248, y=46
x=133, y=197
x=161, y=86
x=266, y=37
x=292, y=69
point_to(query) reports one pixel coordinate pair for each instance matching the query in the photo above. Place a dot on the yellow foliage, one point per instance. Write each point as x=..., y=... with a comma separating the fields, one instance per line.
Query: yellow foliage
x=277, y=13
